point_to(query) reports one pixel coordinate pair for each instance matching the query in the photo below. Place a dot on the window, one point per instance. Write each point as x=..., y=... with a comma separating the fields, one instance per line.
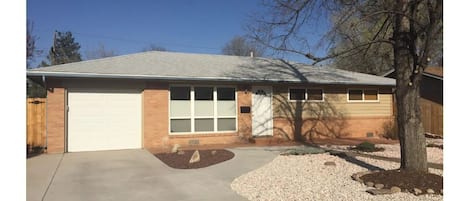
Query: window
x=371, y=95
x=357, y=95
x=315, y=94
x=297, y=94
x=202, y=109
x=306, y=94
x=180, y=106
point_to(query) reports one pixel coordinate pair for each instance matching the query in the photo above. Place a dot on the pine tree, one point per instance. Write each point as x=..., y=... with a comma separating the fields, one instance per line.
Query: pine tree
x=64, y=50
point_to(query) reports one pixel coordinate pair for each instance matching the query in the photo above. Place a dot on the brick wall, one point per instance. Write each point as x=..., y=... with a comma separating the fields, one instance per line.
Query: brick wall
x=55, y=120
x=330, y=127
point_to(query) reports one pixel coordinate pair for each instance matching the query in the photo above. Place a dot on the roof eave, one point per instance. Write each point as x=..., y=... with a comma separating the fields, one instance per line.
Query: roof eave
x=175, y=78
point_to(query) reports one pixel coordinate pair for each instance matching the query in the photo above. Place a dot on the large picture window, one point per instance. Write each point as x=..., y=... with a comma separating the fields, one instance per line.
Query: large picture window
x=202, y=109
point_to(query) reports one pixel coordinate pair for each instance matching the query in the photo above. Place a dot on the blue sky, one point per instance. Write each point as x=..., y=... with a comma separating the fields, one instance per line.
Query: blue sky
x=129, y=26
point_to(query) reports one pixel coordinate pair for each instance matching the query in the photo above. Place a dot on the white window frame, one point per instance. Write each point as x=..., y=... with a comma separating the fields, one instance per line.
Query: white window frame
x=192, y=106
x=363, y=95
x=306, y=94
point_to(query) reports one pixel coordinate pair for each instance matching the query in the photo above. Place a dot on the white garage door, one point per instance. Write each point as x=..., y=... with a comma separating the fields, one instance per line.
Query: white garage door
x=104, y=120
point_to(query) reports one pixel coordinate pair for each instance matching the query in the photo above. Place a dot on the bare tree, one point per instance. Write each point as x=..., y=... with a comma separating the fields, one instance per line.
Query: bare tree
x=154, y=47
x=100, y=52
x=240, y=46
x=414, y=27
x=31, y=49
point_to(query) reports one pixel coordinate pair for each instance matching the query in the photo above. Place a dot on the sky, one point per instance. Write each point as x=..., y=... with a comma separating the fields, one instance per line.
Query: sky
x=126, y=27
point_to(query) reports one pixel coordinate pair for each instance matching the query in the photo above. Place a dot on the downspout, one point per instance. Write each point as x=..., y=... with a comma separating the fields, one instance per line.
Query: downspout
x=45, y=86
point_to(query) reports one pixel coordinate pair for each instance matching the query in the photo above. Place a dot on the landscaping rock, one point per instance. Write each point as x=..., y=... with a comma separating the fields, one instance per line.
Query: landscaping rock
x=329, y=163
x=417, y=191
x=430, y=191
x=379, y=191
x=379, y=186
x=369, y=184
x=214, y=152
x=195, y=157
x=356, y=177
x=175, y=148
x=395, y=189
x=180, y=152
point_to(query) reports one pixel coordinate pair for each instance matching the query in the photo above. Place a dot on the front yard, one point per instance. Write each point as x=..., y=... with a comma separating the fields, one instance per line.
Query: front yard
x=306, y=177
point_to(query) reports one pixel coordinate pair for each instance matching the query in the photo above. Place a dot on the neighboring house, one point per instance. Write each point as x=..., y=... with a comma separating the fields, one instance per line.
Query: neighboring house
x=431, y=98
x=157, y=99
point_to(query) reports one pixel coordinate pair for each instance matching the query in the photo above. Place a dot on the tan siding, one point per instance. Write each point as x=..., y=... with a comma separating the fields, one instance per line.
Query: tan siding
x=335, y=102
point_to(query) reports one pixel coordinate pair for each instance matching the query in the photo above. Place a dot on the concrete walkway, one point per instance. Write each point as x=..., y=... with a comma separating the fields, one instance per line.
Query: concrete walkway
x=136, y=175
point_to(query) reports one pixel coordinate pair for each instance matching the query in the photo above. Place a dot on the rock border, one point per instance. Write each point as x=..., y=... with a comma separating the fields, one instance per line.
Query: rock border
x=378, y=189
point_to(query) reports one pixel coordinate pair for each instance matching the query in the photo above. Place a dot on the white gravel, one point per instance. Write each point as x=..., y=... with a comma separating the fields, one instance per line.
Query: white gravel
x=434, y=154
x=307, y=178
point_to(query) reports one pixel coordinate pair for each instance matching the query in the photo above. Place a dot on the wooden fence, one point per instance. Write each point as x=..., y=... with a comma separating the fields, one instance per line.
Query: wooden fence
x=35, y=123
x=432, y=116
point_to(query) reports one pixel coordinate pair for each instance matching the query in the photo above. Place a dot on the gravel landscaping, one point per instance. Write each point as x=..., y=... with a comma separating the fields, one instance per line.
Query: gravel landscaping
x=434, y=154
x=306, y=177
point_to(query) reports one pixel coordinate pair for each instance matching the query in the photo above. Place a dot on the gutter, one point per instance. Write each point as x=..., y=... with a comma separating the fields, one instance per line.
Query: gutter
x=45, y=86
x=176, y=78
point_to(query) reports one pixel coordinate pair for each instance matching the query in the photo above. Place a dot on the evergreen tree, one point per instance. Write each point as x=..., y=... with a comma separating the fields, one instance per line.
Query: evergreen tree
x=64, y=50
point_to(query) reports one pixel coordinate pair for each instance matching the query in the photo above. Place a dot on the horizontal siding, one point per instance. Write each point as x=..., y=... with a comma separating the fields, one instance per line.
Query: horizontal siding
x=335, y=104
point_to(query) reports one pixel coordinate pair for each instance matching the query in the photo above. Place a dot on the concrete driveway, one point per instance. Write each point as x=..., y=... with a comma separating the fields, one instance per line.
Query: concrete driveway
x=136, y=175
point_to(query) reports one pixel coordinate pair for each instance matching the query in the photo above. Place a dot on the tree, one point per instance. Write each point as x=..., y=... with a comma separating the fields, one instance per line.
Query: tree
x=240, y=46
x=31, y=50
x=154, y=47
x=64, y=50
x=100, y=52
x=414, y=27
x=375, y=58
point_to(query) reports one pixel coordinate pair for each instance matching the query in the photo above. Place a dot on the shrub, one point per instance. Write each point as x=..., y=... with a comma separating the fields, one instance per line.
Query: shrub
x=303, y=151
x=367, y=147
x=390, y=130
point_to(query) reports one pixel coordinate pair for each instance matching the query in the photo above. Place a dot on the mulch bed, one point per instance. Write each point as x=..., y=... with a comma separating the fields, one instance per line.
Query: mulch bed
x=406, y=180
x=207, y=158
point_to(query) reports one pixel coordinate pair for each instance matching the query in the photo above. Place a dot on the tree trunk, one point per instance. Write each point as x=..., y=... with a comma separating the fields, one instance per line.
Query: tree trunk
x=411, y=132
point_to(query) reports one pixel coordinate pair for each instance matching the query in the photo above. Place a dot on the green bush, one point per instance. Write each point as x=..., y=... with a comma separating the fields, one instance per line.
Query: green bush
x=303, y=151
x=367, y=147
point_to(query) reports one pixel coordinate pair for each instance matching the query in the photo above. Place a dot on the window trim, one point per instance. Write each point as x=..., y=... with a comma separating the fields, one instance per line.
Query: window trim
x=306, y=94
x=363, y=95
x=192, y=108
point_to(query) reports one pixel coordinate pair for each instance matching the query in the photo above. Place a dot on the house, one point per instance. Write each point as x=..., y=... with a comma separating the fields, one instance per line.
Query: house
x=158, y=99
x=431, y=98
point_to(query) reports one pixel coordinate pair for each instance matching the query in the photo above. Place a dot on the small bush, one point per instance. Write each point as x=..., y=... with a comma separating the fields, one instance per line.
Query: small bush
x=367, y=147
x=303, y=151
x=390, y=130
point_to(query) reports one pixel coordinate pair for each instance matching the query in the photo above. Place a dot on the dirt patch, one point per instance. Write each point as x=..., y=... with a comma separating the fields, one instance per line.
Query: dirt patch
x=207, y=158
x=406, y=180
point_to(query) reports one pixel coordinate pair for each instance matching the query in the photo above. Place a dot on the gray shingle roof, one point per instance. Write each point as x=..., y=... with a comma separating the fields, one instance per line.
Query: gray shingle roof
x=186, y=66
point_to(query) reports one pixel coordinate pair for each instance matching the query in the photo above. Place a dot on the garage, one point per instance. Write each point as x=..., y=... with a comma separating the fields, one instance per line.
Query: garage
x=104, y=120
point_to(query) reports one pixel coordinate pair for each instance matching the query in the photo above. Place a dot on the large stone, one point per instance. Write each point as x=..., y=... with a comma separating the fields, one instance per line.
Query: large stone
x=329, y=163
x=379, y=186
x=379, y=191
x=195, y=157
x=430, y=191
x=214, y=152
x=175, y=148
x=417, y=191
x=395, y=189
x=181, y=152
x=356, y=177
x=369, y=184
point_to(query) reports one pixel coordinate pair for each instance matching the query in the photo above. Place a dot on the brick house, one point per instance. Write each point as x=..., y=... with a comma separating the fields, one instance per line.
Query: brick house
x=157, y=99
